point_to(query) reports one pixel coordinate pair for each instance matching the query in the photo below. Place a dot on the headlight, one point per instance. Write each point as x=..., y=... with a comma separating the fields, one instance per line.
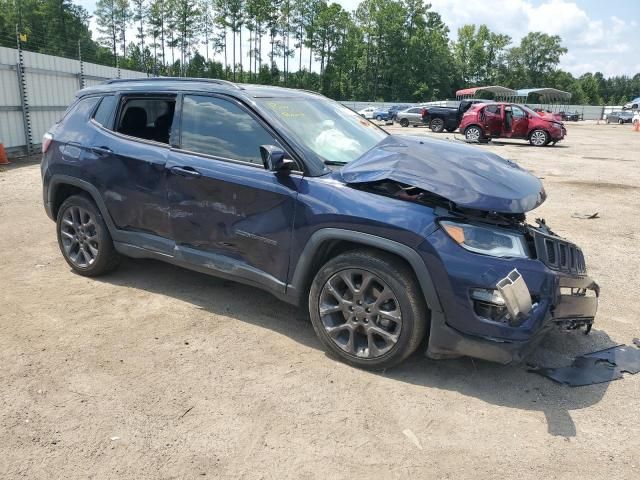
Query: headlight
x=488, y=241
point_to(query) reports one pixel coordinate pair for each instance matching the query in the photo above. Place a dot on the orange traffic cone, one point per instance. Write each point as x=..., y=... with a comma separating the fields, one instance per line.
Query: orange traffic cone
x=3, y=156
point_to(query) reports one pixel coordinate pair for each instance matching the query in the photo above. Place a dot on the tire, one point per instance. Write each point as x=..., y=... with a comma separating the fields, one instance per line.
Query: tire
x=608, y=121
x=436, y=125
x=348, y=317
x=620, y=122
x=379, y=118
x=84, y=239
x=473, y=133
x=539, y=138
x=404, y=122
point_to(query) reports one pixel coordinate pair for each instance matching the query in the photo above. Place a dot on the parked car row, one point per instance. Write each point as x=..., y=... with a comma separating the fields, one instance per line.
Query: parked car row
x=382, y=114
x=481, y=120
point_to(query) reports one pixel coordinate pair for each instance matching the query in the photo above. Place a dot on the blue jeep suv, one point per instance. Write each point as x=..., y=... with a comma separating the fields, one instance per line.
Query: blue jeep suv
x=390, y=241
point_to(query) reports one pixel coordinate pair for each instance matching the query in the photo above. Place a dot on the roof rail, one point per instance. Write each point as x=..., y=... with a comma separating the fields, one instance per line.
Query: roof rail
x=172, y=79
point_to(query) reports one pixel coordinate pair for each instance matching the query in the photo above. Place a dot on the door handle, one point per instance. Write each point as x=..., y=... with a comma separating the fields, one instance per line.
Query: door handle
x=185, y=171
x=102, y=150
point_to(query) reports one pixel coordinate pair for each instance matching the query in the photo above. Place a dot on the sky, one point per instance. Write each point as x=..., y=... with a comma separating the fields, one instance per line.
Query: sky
x=600, y=35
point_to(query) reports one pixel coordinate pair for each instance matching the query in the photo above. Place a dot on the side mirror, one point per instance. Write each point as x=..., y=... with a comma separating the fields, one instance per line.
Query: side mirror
x=275, y=159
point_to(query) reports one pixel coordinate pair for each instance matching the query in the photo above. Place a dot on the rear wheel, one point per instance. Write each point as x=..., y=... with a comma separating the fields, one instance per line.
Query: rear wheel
x=539, y=138
x=379, y=118
x=404, y=122
x=437, y=125
x=367, y=309
x=620, y=122
x=473, y=134
x=84, y=239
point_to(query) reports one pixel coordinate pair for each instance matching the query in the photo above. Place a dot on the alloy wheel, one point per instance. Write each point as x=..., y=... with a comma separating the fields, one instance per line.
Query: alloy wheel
x=538, y=138
x=473, y=134
x=437, y=125
x=360, y=313
x=79, y=236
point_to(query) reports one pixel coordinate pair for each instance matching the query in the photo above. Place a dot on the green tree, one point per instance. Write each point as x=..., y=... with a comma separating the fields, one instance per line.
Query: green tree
x=106, y=14
x=535, y=59
x=140, y=12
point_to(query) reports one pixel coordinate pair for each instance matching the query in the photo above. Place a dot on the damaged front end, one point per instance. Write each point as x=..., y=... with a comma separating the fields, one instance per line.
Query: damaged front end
x=502, y=283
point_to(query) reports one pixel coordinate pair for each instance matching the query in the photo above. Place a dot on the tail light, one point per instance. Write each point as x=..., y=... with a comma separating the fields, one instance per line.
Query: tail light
x=47, y=138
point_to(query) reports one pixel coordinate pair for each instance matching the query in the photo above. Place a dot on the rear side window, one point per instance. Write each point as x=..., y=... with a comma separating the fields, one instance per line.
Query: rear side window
x=104, y=111
x=415, y=110
x=147, y=118
x=220, y=128
x=493, y=108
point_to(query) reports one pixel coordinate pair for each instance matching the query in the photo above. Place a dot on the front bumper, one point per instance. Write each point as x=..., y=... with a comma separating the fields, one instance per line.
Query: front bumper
x=561, y=299
x=569, y=311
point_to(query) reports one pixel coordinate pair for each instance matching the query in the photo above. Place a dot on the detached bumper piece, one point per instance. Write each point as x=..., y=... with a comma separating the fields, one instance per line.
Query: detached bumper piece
x=577, y=303
x=597, y=367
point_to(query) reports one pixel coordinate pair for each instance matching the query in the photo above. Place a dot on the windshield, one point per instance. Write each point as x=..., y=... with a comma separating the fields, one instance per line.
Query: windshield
x=528, y=110
x=330, y=130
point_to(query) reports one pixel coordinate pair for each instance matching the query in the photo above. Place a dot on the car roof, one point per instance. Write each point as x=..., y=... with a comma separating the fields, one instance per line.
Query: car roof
x=207, y=85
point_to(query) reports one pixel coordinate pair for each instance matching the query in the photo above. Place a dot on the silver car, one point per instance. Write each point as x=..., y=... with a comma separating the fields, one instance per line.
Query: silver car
x=410, y=116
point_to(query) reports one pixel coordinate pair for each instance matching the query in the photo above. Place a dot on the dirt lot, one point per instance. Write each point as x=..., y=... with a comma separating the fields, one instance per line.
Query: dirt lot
x=158, y=372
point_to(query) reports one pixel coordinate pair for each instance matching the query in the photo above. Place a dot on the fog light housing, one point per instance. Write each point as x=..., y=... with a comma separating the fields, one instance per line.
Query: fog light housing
x=489, y=304
x=488, y=296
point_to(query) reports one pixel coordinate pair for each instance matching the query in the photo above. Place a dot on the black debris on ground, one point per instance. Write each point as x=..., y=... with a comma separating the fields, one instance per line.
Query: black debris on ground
x=596, y=367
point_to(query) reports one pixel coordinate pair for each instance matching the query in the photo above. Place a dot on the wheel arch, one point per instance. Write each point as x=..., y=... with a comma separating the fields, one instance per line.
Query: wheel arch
x=62, y=187
x=326, y=243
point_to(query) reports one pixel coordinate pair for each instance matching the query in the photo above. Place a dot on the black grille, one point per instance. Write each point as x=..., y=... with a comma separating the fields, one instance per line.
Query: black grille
x=559, y=254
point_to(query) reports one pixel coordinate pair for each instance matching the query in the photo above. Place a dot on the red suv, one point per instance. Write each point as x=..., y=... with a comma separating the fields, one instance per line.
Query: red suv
x=507, y=120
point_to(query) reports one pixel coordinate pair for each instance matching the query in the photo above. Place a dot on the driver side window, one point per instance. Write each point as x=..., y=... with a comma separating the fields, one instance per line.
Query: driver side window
x=222, y=129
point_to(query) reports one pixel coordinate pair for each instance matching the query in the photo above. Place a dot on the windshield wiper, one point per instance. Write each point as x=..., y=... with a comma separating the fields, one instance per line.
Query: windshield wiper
x=333, y=162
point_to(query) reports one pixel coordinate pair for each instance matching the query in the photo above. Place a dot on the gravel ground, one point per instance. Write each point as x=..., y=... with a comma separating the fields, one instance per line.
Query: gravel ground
x=158, y=372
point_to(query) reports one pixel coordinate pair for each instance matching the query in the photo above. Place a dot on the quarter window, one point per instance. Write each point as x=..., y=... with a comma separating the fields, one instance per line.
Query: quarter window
x=220, y=128
x=104, y=111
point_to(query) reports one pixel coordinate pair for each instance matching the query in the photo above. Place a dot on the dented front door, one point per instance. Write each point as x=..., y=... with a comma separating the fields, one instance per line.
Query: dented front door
x=229, y=207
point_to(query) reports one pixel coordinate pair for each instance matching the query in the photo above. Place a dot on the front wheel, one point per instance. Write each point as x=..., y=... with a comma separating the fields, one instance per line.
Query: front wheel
x=379, y=118
x=437, y=125
x=473, y=134
x=367, y=309
x=404, y=122
x=620, y=122
x=84, y=239
x=539, y=138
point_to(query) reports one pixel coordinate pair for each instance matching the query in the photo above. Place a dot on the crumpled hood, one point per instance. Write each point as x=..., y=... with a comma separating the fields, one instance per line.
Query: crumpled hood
x=463, y=174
